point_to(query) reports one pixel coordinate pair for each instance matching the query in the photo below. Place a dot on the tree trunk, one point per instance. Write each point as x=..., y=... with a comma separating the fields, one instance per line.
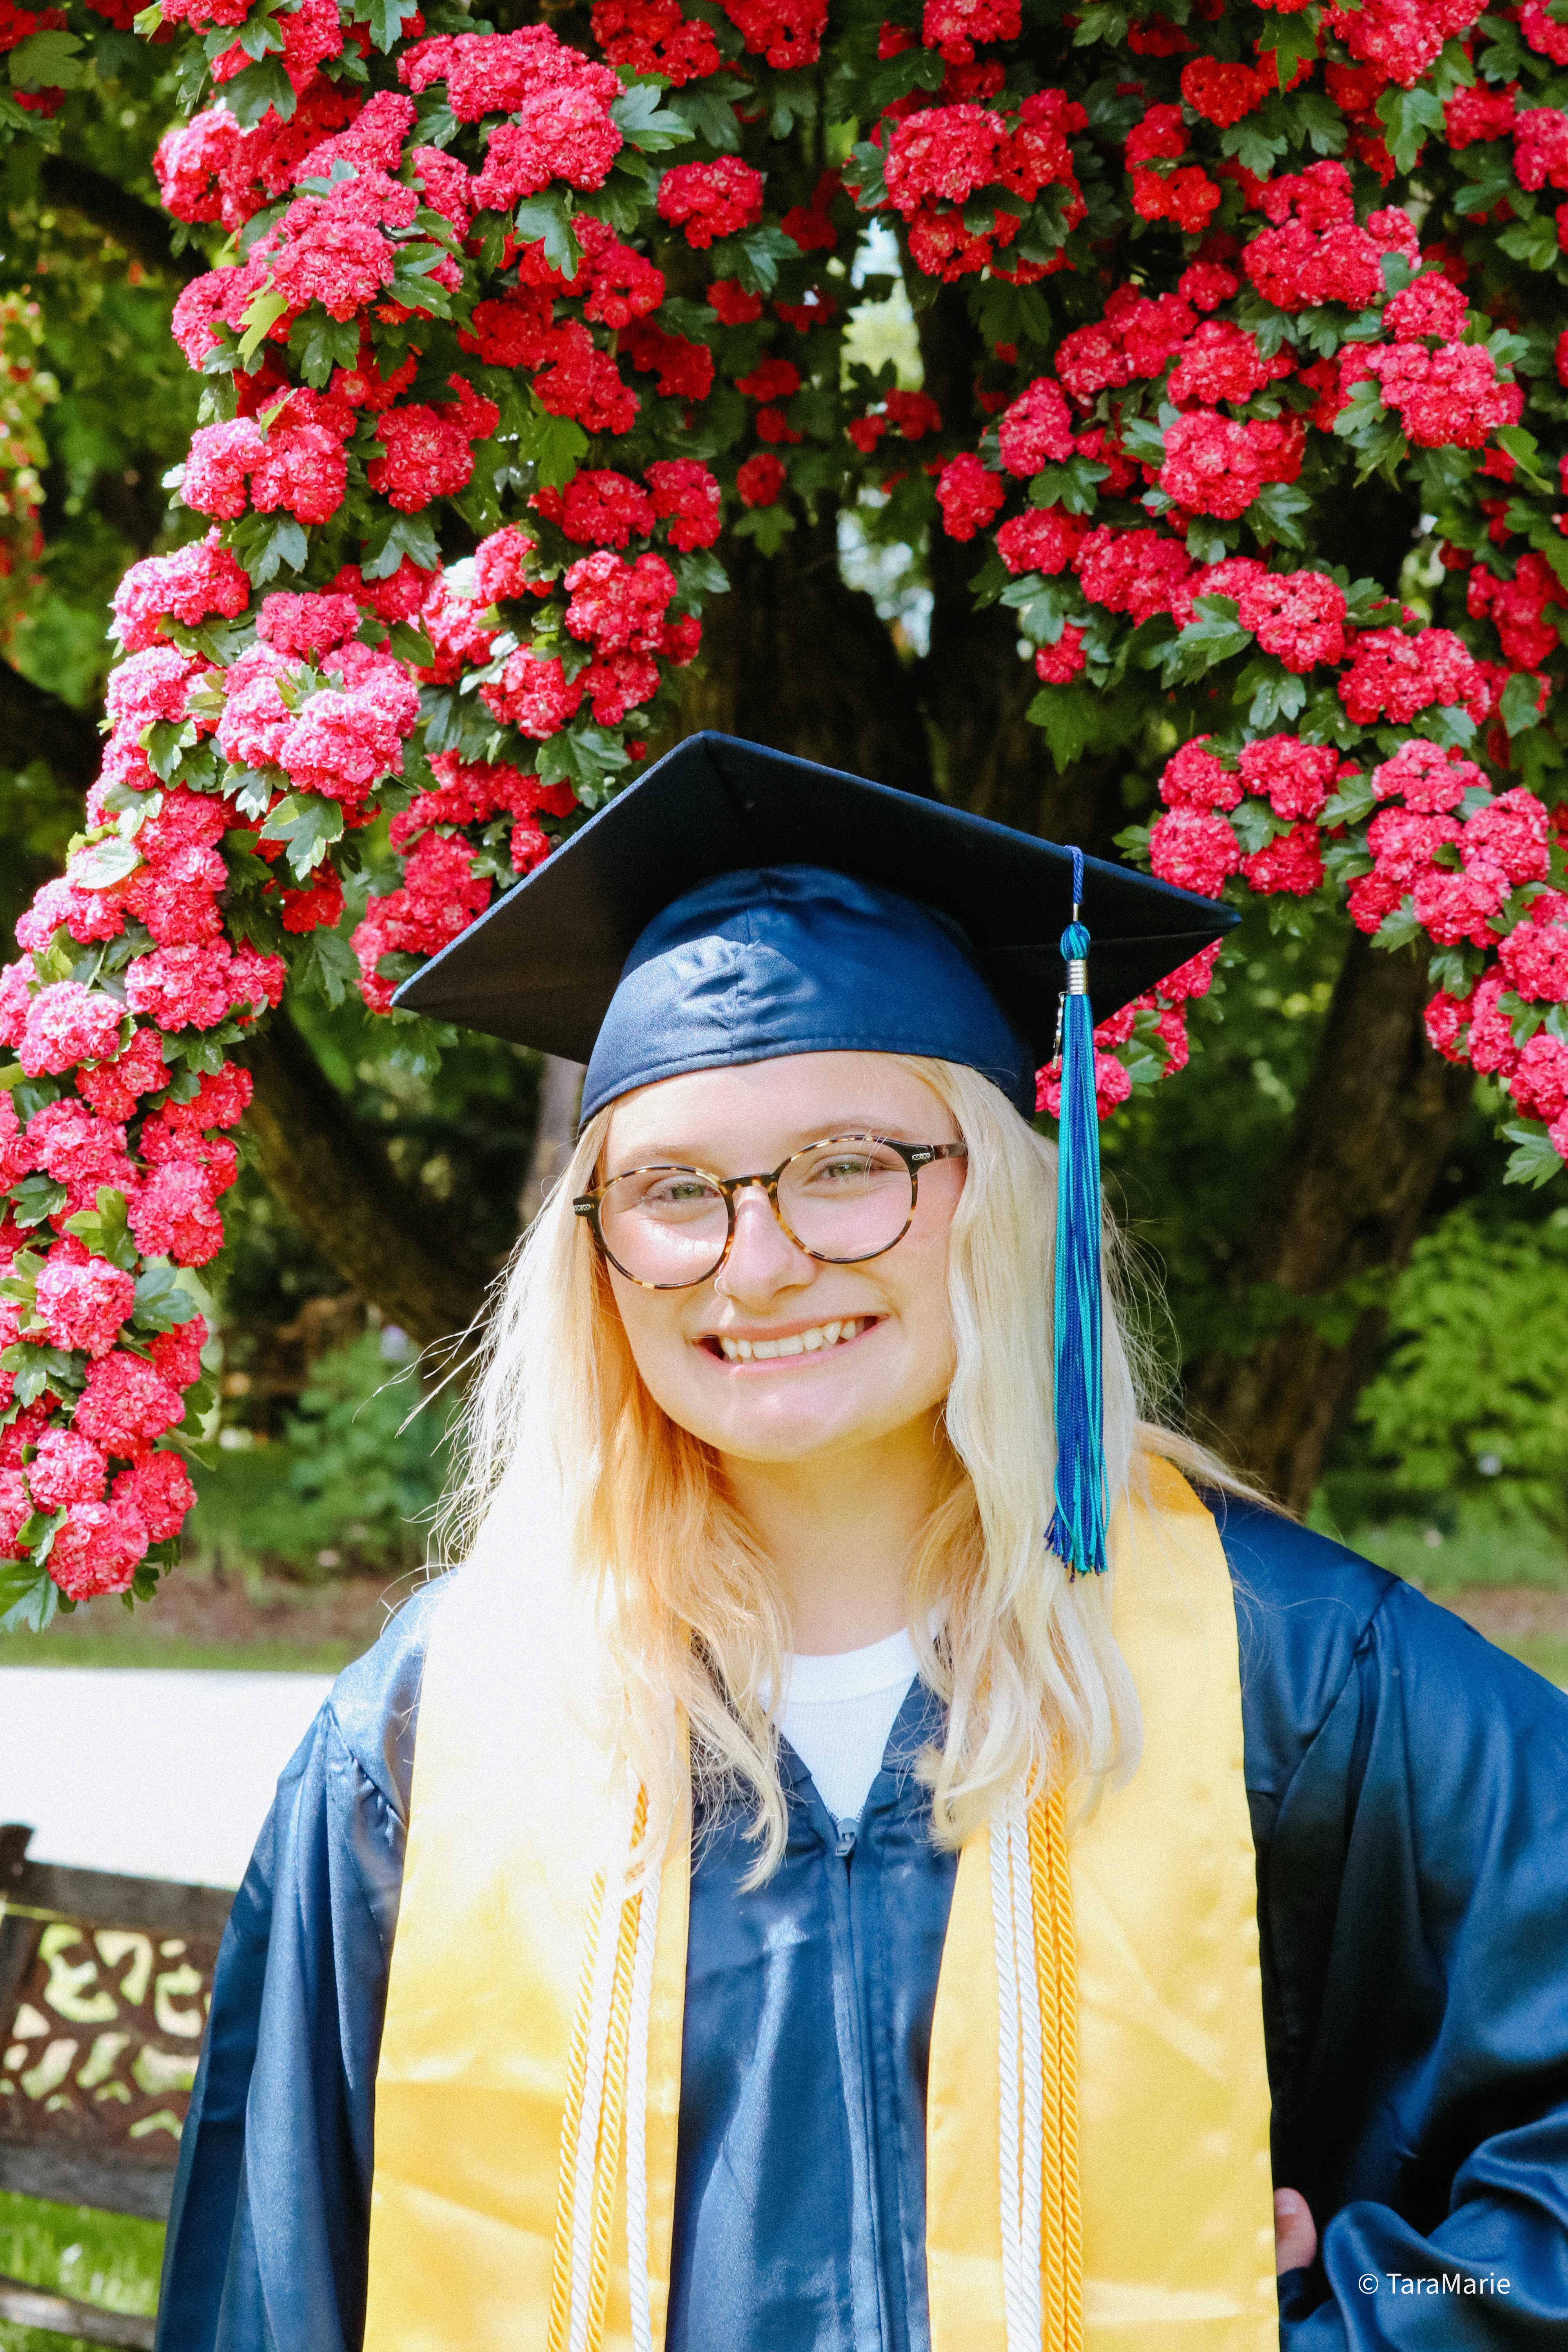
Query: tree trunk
x=795, y=658
x=335, y=1176
x=1374, y=1124
x=554, y=1134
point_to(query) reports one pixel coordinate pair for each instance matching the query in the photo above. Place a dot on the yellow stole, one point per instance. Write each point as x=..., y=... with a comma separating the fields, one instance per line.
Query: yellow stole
x=1173, y=2190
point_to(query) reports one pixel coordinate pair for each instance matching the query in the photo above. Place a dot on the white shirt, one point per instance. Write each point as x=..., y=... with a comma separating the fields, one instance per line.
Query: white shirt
x=839, y=1713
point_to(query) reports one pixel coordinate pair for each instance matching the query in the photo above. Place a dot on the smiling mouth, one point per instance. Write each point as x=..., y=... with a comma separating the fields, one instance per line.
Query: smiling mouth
x=818, y=1341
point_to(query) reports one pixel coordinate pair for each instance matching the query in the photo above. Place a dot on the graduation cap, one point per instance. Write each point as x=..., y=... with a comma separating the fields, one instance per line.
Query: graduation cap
x=736, y=904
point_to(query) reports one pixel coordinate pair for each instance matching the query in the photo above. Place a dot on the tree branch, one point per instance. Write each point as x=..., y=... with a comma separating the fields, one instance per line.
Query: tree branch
x=334, y=1174
x=38, y=725
x=142, y=228
x=1370, y=1134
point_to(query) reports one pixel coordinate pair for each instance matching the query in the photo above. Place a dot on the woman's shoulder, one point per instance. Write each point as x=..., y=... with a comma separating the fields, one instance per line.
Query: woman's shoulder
x=373, y=1709
x=1312, y=1614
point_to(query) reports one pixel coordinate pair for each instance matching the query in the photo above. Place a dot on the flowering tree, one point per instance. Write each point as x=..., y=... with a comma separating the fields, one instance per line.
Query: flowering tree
x=524, y=343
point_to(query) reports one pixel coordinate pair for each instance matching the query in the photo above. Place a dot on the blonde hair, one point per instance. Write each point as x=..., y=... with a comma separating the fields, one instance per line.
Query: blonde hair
x=578, y=1495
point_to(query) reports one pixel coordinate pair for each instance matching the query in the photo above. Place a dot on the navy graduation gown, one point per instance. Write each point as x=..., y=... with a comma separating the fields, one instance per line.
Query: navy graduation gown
x=1408, y=1787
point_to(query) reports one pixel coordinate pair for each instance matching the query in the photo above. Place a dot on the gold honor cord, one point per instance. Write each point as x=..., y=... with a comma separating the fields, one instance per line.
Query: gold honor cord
x=598, y=2060
x=1056, y=1973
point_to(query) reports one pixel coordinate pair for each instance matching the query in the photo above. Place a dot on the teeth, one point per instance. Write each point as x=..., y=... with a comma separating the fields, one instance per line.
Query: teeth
x=799, y=1343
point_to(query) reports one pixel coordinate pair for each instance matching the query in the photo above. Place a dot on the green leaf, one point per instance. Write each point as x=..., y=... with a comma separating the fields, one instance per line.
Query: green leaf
x=265, y=543
x=1275, y=693
x=1214, y=637
x=48, y=60
x=1103, y=21
x=1533, y=242
x=411, y=645
x=28, y=1593
x=708, y=107
x=586, y=757
x=868, y=180
x=1276, y=513
x=309, y=825
x=1079, y=718
x=1351, y=804
x=38, y=1197
x=105, y=1231
x=160, y=1304
x=1520, y=705
x=163, y=740
x=1452, y=727
x=323, y=964
x=895, y=78
x=553, y=445
x=252, y=789
x=386, y=19
x=1488, y=169
x=1523, y=449
x=1536, y=1160
x=1318, y=116
x=259, y=35
x=395, y=536
x=769, y=526
x=106, y=863
x=1407, y=116
x=547, y=219
x=1143, y=438
x=1073, y=486
x=321, y=344
x=1290, y=38
x=33, y=1369
x=261, y=88
x=1254, y=147
x=700, y=574
x=647, y=125
x=752, y=258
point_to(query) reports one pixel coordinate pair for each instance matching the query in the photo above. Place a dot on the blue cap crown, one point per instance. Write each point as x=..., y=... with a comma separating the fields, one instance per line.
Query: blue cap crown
x=779, y=959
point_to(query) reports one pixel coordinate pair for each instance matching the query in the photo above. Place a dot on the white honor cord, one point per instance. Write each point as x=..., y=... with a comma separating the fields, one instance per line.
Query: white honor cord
x=1019, y=2075
x=636, y=2116
x=585, y=2169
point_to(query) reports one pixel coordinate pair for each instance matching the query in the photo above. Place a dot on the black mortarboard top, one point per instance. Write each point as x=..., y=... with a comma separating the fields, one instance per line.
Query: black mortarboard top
x=540, y=967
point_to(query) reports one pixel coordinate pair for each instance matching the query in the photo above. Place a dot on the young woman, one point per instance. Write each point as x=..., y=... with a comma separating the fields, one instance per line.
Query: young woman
x=765, y=1902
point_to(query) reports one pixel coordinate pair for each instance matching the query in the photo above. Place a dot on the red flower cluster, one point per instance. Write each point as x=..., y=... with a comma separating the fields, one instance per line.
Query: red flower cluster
x=710, y=200
x=940, y=156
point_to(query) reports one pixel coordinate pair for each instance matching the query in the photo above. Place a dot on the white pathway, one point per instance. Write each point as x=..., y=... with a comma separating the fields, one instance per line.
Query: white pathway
x=158, y=1773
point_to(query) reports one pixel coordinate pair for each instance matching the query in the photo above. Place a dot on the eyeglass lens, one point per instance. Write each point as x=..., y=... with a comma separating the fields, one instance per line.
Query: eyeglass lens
x=842, y=1200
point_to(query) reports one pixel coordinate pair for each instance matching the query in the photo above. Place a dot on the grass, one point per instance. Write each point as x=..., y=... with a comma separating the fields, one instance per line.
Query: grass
x=141, y=1646
x=1547, y=1653
x=106, y=2258
x=1466, y=1556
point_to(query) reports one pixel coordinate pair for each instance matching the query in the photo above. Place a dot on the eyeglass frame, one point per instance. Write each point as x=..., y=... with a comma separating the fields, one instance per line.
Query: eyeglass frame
x=915, y=1156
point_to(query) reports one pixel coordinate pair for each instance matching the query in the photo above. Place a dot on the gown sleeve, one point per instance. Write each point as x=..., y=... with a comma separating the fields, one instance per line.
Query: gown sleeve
x=269, y=2218
x=1410, y=1799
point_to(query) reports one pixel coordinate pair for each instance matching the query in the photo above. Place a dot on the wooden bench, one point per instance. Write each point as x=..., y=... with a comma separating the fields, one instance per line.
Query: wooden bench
x=104, y=1988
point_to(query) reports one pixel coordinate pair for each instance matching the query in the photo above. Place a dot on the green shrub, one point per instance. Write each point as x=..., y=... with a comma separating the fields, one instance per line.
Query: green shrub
x=361, y=1476
x=1457, y=1471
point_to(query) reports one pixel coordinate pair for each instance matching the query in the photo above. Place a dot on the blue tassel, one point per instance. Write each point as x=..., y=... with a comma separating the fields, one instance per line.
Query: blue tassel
x=1078, y=1529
